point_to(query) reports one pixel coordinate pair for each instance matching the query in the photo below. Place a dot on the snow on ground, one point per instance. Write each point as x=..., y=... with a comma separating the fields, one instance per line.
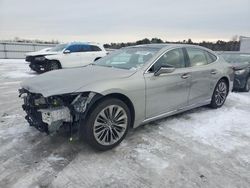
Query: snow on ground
x=14, y=68
x=199, y=148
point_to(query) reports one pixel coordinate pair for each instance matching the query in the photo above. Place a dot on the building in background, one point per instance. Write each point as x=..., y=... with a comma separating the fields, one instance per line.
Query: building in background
x=245, y=44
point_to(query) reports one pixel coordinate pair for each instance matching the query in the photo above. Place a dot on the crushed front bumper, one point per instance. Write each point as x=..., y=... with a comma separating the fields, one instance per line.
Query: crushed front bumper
x=40, y=67
x=49, y=114
x=47, y=120
x=55, y=117
x=44, y=117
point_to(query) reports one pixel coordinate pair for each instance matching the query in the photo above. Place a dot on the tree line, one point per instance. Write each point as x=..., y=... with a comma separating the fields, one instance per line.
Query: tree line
x=233, y=45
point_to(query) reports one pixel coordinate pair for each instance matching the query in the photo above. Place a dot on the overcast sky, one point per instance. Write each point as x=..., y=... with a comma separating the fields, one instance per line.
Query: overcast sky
x=124, y=20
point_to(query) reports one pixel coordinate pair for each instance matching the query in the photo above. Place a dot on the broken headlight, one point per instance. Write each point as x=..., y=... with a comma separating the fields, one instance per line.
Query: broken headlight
x=55, y=101
x=80, y=102
x=39, y=101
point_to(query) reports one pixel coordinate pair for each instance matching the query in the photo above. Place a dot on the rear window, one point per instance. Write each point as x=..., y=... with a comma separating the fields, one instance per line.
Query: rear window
x=95, y=48
x=199, y=57
x=211, y=57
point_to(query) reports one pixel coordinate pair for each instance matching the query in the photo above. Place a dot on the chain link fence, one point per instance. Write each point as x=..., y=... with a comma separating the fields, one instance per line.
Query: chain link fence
x=17, y=50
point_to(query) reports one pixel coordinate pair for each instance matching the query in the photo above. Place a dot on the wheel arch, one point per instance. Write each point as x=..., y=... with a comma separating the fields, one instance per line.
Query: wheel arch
x=99, y=97
x=55, y=60
x=97, y=58
x=227, y=81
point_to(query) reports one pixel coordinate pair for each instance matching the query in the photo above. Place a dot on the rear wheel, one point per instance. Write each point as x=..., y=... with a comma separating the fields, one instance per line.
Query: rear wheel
x=220, y=94
x=107, y=124
x=247, y=86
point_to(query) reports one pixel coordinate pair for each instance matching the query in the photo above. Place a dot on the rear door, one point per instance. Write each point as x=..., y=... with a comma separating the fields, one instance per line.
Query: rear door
x=97, y=52
x=201, y=71
x=86, y=55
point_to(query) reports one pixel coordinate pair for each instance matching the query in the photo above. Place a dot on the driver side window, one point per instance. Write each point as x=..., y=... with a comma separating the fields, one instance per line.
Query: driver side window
x=74, y=48
x=173, y=58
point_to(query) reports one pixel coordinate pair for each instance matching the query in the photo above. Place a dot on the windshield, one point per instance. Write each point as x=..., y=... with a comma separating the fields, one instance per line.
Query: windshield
x=58, y=48
x=128, y=58
x=236, y=57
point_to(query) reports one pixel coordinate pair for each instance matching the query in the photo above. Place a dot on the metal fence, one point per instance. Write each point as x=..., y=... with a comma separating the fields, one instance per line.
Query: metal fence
x=17, y=50
x=245, y=44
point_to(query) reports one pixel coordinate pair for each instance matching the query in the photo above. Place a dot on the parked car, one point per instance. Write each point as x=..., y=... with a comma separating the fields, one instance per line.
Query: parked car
x=241, y=65
x=69, y=55
x=129, y=87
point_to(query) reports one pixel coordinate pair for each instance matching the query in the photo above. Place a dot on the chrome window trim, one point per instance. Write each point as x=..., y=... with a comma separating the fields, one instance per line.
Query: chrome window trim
x=152, y=64
x=217, y=58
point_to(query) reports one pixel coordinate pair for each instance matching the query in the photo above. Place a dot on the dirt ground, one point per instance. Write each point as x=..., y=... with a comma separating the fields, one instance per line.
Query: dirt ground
x=199, y=148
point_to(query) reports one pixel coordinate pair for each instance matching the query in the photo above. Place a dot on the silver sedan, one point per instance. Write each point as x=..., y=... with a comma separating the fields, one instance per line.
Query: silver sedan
x=128, y=88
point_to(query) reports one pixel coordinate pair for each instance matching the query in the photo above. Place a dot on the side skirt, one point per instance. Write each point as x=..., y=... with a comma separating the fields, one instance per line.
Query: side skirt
x=167, y=114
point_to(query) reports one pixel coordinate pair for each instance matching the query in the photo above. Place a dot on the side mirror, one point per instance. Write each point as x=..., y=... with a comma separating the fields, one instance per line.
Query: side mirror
x=163, y=70
x=66, y=52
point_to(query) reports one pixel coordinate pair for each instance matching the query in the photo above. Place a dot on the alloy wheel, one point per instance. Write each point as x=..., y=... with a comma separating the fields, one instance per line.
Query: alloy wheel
x=54, y=66
x=221, y=93
x=110, y=125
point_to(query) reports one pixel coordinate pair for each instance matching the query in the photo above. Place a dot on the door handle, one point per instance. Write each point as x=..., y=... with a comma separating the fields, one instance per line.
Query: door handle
x=185, y=76
x=213, y=71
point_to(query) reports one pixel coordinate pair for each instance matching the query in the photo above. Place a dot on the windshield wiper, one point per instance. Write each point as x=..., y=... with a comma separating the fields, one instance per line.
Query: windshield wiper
x=102, y=65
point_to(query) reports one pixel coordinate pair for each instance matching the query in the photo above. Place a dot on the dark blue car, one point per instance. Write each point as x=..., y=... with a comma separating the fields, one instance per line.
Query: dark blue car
x=241, y=65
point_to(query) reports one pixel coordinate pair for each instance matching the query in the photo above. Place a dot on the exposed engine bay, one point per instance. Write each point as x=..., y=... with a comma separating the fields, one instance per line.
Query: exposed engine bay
x=50, y=114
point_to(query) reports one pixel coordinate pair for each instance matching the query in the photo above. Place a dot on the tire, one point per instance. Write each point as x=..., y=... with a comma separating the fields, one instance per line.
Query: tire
x=220, y=94
x=247, y=86
x=103, y=131
x=54, y=65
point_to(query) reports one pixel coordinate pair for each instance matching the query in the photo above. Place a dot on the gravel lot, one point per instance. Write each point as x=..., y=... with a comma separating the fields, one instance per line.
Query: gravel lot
x=199, y=148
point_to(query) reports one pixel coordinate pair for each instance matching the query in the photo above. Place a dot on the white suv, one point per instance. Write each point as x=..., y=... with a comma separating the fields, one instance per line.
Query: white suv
x=68, y=55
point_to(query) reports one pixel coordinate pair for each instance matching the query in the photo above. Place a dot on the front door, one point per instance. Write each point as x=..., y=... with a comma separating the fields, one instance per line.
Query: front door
x=168, y=91
x=73, y=58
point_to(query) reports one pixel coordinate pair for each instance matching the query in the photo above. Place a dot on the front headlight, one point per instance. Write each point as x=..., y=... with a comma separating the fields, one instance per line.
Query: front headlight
x=42, y=58
x=239, y=72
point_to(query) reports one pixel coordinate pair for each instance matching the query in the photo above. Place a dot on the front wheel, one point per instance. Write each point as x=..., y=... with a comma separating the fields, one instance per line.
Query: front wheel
x=220, y=94
x=107, y=124
x=54, y=65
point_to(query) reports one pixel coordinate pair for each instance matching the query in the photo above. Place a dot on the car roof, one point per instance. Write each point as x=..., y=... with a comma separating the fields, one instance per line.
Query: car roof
x=168, y=46
x=83, y=43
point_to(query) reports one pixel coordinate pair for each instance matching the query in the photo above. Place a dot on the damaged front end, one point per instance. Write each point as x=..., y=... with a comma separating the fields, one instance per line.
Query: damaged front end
x=50, y=114
x=38, y=63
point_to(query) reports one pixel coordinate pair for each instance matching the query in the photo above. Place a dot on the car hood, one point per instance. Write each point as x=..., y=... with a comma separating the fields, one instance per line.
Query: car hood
x=239, y=66
x=71, y=80
x=41, y=53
